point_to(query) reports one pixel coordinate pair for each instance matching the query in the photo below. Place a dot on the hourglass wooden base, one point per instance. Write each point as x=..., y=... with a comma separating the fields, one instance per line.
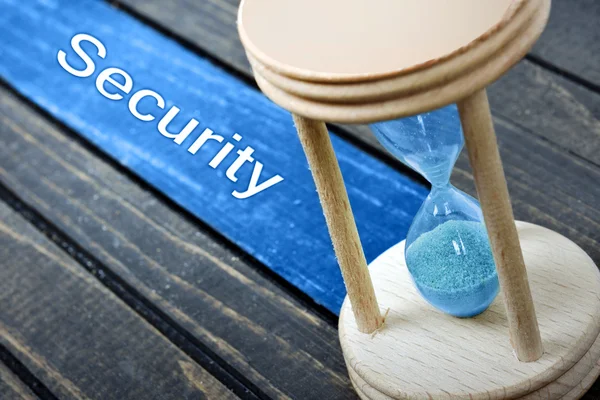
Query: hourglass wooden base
x=421, y=353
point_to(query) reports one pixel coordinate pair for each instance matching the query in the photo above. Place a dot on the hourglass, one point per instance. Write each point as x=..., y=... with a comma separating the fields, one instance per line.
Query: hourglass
x=447, y=249
x=378, y=62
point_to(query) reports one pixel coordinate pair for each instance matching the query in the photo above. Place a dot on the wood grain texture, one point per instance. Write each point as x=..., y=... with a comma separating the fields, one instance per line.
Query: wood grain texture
x=570, y=386
x=568, y=201
x=215, y=295
x=446, y=357
x=545, y=104
x=283, y=227
x=11, y=387
x=550, y=107
x=492, y=192
x=76, y=336
x=572, y=40
x=340, y=221
x=585, y=389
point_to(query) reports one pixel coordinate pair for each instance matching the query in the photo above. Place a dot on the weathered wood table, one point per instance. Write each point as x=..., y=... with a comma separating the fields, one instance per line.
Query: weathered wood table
x=128, y=271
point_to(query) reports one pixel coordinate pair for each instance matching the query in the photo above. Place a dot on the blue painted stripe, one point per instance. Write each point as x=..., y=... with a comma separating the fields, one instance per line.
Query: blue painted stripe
x=283, y=226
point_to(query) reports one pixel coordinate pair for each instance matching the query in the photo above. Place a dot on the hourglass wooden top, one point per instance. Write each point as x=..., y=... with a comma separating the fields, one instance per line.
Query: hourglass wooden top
x=360, y=61
x=357, y=40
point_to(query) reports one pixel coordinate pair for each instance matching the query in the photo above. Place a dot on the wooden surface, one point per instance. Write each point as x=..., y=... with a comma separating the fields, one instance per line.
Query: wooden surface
x=101, y=347
x=224, y=309
x=12, y=388
x=553, y=390
x=445, y=357
x=571, y=45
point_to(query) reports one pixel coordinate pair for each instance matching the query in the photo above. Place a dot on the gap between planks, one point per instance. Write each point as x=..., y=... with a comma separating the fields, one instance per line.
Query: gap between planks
x=548, y=66
x=27, y=378
x=176, y=334
x=102, y=332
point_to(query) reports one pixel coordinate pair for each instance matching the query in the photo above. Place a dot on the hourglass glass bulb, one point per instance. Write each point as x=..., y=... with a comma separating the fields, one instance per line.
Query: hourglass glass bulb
x=448, y=254
x=447, y=251
x=428, y=143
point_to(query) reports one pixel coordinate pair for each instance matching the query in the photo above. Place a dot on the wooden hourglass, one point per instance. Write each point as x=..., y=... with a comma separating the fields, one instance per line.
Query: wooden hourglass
x=362, y=61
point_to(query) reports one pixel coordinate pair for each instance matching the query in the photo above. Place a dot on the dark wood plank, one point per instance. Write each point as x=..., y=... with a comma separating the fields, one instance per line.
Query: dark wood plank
x=78, y=338
x=543, y=102
x=550, y=107
x=223, y=302
x=11, y=388
x=571, y=40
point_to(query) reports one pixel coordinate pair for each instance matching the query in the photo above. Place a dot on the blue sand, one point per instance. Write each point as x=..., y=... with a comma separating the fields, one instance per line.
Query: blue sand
x=283, y=227
x=453, y=268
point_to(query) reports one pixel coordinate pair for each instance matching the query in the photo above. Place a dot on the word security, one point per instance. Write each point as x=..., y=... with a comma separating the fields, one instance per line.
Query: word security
x=114, y=83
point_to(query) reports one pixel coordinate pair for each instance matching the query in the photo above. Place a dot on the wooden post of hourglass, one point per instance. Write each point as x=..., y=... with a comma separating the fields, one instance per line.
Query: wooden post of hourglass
x=492, y=191
x=340, y=221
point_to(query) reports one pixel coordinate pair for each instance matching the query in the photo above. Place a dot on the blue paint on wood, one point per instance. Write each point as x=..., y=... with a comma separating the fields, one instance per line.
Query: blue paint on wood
x=283, y=227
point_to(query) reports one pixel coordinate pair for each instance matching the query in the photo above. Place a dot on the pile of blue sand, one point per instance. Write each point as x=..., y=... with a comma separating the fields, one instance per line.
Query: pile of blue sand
x=453, y=268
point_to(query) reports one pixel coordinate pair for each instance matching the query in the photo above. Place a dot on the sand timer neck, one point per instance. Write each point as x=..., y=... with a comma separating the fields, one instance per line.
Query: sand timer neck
x=445, y=202
x=428, y=143
x=437, y=162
